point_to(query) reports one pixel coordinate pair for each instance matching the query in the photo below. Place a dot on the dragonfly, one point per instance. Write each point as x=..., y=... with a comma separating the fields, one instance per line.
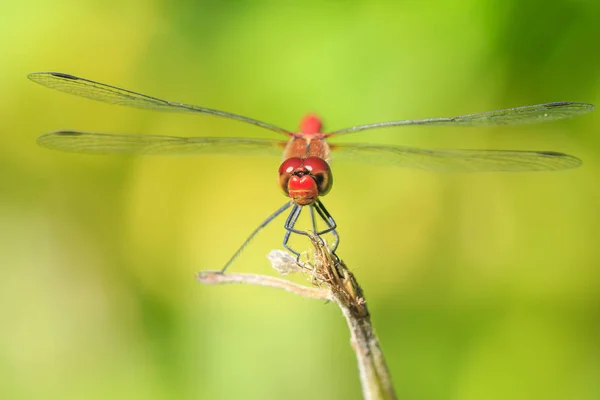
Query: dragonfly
x=305, y=173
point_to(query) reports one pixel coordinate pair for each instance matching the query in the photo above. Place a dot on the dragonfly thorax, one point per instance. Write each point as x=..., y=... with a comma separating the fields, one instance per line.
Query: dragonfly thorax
x=305, y=179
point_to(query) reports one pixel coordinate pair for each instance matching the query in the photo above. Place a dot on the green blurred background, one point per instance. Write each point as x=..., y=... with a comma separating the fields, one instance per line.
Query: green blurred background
x=480, y=286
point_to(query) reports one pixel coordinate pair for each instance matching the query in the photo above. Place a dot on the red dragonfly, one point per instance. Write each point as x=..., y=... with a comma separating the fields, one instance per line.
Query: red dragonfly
x=305, y=174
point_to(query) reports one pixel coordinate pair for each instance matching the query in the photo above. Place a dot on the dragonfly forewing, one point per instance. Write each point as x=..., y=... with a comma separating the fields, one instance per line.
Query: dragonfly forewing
x=114, y=95
x=510, y=116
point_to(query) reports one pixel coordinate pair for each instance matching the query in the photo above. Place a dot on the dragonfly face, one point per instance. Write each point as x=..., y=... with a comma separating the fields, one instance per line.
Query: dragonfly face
x=305, y=179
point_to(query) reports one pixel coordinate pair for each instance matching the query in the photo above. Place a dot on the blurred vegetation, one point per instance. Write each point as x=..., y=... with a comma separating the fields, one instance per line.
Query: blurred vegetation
x=481, y=286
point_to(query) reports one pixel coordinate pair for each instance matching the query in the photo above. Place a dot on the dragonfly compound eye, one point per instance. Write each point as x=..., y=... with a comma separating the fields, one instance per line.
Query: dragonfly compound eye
x=286, y=170
x=321, y=173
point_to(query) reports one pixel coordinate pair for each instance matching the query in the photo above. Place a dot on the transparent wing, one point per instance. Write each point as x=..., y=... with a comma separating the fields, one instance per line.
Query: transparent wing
x=108, y=143
x=114, y=95
x=509, y=116
x=456, y=160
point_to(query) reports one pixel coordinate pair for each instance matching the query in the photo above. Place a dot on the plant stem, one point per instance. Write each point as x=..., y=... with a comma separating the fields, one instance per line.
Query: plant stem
x=336, y=283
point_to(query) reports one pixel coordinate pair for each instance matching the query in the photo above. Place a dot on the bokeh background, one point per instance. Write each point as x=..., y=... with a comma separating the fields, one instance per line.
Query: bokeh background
x=481, y=286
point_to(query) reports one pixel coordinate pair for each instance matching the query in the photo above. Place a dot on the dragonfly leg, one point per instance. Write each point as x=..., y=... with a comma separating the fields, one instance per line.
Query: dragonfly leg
x=289, y=227
x=331, y=224
x=336, y=241
x=313, y=219
x=325, y=216
x=262, y=225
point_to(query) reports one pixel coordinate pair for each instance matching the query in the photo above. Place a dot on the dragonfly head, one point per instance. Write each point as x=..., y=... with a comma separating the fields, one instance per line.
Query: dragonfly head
x=311, y=124
x=305, y=179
